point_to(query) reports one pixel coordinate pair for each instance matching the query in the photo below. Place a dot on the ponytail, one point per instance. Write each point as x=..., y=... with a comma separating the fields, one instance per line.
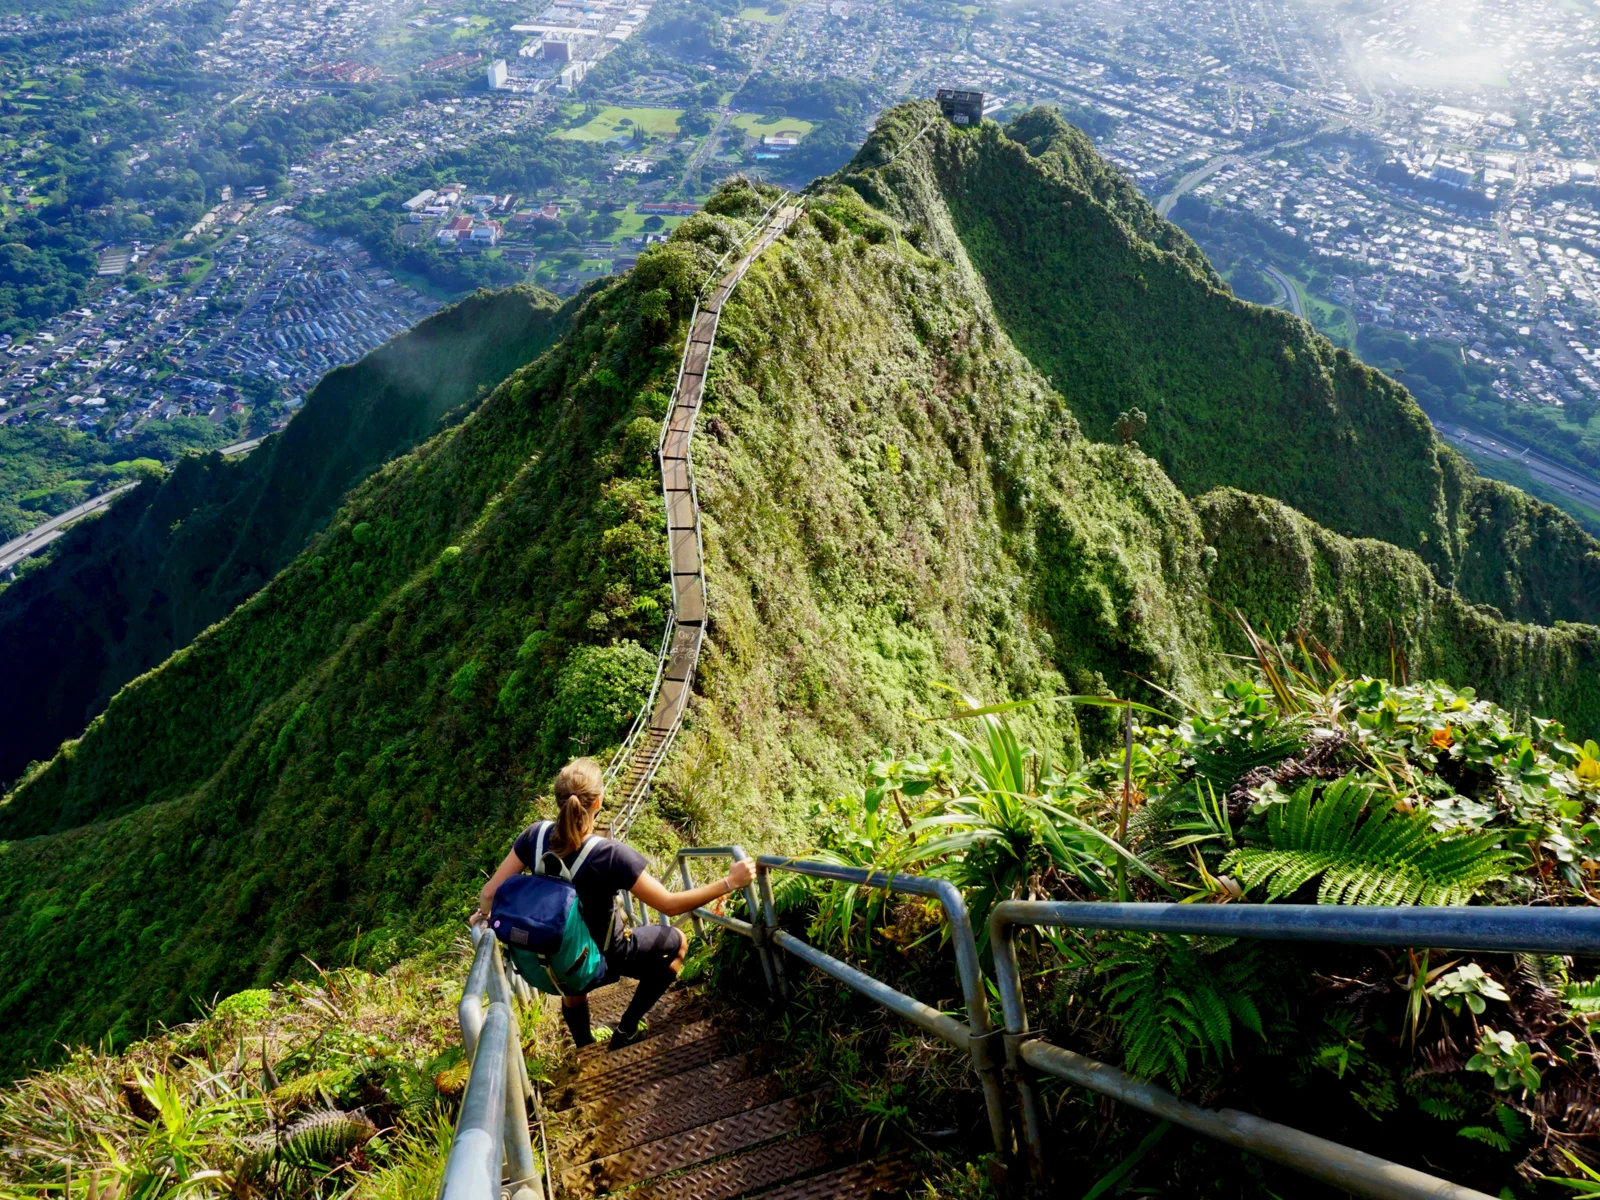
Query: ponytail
x=578, y=786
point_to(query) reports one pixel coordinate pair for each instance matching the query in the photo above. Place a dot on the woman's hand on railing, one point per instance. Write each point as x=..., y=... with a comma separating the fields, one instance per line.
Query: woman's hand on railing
x=740, y=874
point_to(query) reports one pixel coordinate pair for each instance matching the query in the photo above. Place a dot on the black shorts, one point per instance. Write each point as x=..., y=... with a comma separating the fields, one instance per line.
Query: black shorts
x=641, y=953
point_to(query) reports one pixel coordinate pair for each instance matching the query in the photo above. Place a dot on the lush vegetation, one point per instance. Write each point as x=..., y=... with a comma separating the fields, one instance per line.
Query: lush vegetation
x=46, y=469
x=1123, y=313
x=895, y=501
x=121, y=593
x=344, y=1084
x=1294, y=782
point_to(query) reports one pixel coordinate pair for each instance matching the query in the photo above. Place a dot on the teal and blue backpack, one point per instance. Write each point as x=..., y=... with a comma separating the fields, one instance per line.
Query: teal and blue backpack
x=539, y=920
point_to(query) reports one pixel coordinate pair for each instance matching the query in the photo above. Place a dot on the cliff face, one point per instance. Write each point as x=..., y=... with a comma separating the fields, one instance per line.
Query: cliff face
x=121, y=593
x=1121, y=311
x=895, y=499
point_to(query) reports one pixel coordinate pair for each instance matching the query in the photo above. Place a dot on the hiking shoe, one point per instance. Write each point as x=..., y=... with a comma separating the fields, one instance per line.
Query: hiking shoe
x=620, y=1039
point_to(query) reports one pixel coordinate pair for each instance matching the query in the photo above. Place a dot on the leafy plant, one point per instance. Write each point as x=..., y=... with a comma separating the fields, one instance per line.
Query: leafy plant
x=1589, y=1185
x=1512, y=1129
x=1506, y=1060
x=181, y=1143
x=1366, y=851
x=1583, y=999
x=1469, y=985
x=1175, y=999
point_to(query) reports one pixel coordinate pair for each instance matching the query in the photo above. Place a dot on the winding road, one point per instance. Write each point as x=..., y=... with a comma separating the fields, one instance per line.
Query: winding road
x=1287, y=284
x=37, y=538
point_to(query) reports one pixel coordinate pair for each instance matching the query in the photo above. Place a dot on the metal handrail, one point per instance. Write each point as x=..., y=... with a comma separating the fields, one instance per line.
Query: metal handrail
x=975, y=1035
x=1538, y=930
x=642, y=719
x=493, y=1126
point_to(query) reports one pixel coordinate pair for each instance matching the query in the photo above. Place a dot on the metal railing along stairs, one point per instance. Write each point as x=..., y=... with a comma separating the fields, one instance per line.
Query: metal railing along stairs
x=632, y=769
x=492, y=1134
x=1009, y=1079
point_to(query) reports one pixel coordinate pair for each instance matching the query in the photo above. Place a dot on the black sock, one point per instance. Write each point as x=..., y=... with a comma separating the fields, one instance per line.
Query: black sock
x=647, y=993
x=577, y=1018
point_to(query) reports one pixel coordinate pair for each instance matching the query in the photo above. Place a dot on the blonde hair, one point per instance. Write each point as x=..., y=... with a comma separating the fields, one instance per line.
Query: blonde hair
x=578, y=786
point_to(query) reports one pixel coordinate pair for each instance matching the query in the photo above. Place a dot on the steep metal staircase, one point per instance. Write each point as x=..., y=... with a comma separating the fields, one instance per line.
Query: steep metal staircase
x=681, y=1115
x=632, y=769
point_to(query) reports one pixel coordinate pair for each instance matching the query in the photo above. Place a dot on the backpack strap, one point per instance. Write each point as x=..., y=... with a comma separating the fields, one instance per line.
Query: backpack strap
x=538, y=846
x=589, y=845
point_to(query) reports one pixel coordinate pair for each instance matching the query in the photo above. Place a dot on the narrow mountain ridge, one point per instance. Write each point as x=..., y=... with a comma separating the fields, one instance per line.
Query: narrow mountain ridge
x=1121, y=310
x=896, y=501
x=122, y=592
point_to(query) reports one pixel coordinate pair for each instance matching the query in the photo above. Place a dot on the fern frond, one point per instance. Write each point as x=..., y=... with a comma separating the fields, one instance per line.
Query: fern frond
x=1177, y=1000
x=1582, y=999
x=1366, y=851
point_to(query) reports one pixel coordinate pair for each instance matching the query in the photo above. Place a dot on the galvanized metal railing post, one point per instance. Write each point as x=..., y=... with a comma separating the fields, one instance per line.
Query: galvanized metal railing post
x=1015, y=1017
x=752, y=928
x=769, y=908
x=688, y=882
x=982, y=1048
x=472, y=1172
x=977, y=1035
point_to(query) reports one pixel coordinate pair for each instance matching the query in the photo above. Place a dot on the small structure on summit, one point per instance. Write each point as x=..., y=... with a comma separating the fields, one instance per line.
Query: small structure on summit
x=961, y=108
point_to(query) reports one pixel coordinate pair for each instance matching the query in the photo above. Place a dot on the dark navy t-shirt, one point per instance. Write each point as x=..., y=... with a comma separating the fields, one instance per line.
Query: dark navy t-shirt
x=611, y=867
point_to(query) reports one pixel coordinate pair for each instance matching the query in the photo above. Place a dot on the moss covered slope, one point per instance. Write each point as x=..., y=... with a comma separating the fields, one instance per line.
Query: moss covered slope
x=122, y=593
x=1380, y=611
x=1120, y=309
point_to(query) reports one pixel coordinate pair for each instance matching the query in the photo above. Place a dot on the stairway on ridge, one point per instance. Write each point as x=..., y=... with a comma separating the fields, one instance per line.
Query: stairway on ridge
x=680, y=1116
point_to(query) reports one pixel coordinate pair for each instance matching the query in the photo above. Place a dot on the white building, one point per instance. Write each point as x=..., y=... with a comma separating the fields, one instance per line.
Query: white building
x=496, y=74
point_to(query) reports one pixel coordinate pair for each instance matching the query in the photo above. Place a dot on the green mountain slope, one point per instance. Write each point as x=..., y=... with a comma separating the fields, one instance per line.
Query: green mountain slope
x=894, y=499
x=1119, y=308
x=123, y=592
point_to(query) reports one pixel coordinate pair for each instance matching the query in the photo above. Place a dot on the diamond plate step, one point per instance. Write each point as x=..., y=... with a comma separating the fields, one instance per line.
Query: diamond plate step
x=751, y=1171
x=627, y=1104
x=625, y=1079
x=699, y=1145
x=859, y=1181
x=595, y=1063
x=672, y=1111
x=607, y=1004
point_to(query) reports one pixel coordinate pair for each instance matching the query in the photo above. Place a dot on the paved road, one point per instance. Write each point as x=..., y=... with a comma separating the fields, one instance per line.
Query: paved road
x=37, y=538
x=40, y=536
x=1193, y=180
x=1287, y=284
x=1494, y=446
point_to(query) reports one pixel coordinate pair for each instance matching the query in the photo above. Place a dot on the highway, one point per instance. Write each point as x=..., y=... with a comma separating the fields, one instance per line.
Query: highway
x=1287, y=284
x=37, y=538
x=1492, y=446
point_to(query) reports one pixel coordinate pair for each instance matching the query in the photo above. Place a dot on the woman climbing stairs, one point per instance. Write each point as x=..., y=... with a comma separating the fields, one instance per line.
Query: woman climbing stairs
x=682, y=1115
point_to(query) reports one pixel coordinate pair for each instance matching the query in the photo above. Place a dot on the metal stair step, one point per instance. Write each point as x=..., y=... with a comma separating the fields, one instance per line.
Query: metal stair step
x=859, y=1181
x=607, y=1004
x=647, y=1097
x=671, y=1112
x=692, y=1147
x=748, y=1172
x=596, y=1062
x=694, y=1054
